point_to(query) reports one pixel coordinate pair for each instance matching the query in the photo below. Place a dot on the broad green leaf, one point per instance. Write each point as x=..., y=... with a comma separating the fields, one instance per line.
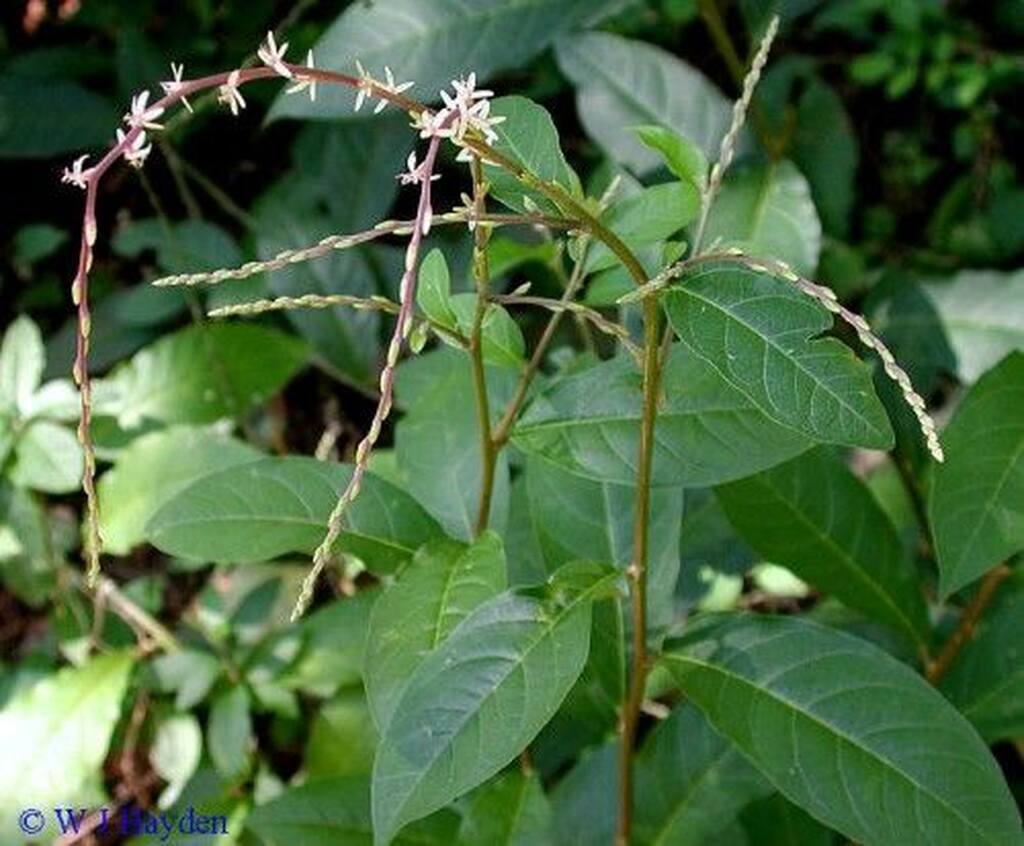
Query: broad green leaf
x=707, y=431
x=437, y=443
x=846, y=732
x=443, y=584
x=334, y=643
x=622, y=83
x=175, y=753
x=512, y=810
x=229, y=737
x=690, y=782
x=980, y=313
x=187, y=247
x=40, y=118
x=986, y=682
x=21, y=364
x=152, y=470
x=30, y=554
x=430, y=41
x=336, y=812
x=502, y=342
x=577, y=518
x=345, y=340
x=55, y=736
x=47, y=457
x=815, y=517
x=685, y=160
x=202, y=373
x=775, y=821
x=585, y=812
x=342, y=739
x=188, y=673
x=434, y=290
x=517, y=654
x=528, y=136
x=263, y=509
x=36, y=242
x=767, y=210
x=977, y=498
x=758, y=333
x=644, y=219
x=709, y=547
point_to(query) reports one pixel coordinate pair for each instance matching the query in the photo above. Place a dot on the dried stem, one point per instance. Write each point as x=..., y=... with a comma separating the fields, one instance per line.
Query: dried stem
x=482, y=278
x=968, y=623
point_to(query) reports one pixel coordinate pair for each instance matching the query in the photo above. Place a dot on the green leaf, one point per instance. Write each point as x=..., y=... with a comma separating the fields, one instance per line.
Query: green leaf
x=767, y=210
x=622, y=83
x=36, y=242
x=502, y=341
x=815, y=517
x=336, y=812
x=690, y=782
x=47, y=457
x=986, y=682
x=434, y=290
x=645, y=218
x=977, y=499
x=175, y=753
x=512, y=810
x=583, y=812
x=152, y=470
x=849, y=734
x=188, y=673
x=229, y=735
x=437, y=443
x=756, y=331
x=187, y=247
x=518, y=653
x=974, y=314
x=684, y=159
x=55, y=736
x=345, y=340
x=576, y=518
x=21, y=364
x=443, y=584
x=529, y=138
x=430, y=41
x=342, y=740
x=707, y=431
x=775, y=821
x=40, y=118
x=201, y=374
x=263, y=509
x=29, y=559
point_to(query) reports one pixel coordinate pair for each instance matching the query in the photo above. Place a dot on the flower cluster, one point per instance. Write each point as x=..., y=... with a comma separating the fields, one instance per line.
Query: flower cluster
x=370, y=87
x=467, y=110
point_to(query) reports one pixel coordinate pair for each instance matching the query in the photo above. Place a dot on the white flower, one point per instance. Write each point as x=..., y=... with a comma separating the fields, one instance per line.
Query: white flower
x=414, y=173
x=75, y=175
x=137, y=150
x=229, y=94
x=368, y=86
x=273, y=56
x=302, y=82
x=471, y=109
x=434, y=125
x=173, y=86
x=142, y=114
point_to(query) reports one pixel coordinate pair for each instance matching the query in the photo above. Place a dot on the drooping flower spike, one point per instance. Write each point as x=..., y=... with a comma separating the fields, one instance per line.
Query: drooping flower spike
x=304, y=82
x=142, y=114
x=174, y=85
x=273, y=56
x=229, y=94
x=76, y=175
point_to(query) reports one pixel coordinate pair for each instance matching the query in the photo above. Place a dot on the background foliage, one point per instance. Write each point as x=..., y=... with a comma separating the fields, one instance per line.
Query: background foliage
x=880, y=158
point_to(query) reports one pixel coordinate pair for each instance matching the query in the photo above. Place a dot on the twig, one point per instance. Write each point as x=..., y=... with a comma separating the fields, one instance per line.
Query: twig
x=968, y=623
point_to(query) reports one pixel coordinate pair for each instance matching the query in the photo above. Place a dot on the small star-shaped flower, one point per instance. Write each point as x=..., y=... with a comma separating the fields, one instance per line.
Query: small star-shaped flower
x=174, y=85
x=76, y=175
x=302, y=81
x=229, y=94
x=273, y=56
x=142, y=114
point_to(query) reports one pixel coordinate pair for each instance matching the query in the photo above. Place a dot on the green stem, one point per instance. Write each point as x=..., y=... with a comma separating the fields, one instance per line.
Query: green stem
x=636, y=573
x=482, y=277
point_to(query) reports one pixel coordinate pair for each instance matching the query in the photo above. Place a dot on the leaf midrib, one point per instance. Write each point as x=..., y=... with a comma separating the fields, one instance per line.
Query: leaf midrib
x=829, y=729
